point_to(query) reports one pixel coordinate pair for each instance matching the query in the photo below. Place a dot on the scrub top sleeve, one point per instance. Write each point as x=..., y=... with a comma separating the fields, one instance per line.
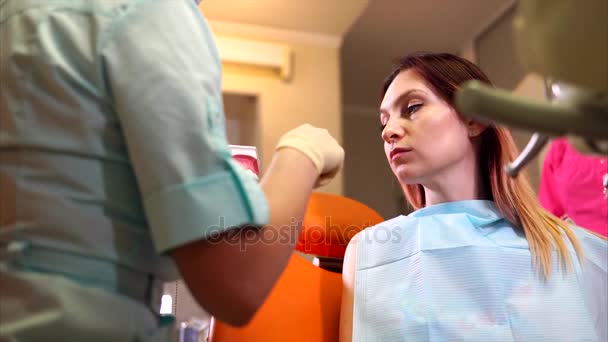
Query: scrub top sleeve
x=163, y=74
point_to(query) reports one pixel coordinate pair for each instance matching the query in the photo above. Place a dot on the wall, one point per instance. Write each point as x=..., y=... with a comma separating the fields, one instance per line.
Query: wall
x=241, y=113
x=311, y=96
x=367, y=175
x=496, y=54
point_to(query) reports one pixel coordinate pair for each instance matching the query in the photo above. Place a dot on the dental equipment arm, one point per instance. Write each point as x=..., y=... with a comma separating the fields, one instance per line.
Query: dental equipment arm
x=566, y=41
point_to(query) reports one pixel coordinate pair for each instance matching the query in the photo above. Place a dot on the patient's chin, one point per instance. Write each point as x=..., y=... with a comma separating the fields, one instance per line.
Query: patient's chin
x=408, y=176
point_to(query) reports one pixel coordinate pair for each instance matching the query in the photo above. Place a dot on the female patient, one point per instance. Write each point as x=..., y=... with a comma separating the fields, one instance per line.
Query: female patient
x=479, y=259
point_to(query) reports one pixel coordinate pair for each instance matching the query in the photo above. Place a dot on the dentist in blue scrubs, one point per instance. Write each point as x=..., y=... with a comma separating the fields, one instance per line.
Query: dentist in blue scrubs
x=115, y=175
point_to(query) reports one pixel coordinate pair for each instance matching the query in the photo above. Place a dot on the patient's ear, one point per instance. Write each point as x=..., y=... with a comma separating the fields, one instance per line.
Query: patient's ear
x=475, y=128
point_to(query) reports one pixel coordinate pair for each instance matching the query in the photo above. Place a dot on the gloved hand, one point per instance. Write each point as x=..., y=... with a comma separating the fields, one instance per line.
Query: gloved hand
x=318, y=145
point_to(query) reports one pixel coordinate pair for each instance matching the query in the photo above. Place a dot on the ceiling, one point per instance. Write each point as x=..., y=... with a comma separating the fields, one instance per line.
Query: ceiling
x=374, y=32
x=391, y=28
x=332, y=17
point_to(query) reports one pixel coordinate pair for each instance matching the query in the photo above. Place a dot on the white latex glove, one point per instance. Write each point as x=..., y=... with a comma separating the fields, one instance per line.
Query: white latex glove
x=318, y=145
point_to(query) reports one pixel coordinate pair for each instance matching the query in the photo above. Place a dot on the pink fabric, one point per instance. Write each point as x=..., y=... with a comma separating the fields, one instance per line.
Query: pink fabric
x=572, y=185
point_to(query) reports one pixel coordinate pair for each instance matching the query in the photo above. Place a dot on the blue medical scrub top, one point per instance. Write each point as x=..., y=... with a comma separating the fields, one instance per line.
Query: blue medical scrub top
x=112, y=140
x=459, y=271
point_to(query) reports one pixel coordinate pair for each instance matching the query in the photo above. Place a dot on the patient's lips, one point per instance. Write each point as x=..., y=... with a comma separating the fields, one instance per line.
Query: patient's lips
x=399, y=152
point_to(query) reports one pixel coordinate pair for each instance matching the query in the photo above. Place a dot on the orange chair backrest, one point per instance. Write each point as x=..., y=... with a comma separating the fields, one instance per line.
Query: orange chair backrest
x=304, y=306
x=331, y=221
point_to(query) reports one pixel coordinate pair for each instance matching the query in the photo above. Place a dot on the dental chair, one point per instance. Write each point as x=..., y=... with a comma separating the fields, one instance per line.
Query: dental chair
x=304, y=305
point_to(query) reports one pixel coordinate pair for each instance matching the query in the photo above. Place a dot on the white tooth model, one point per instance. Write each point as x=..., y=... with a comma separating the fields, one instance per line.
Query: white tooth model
x=566, y=41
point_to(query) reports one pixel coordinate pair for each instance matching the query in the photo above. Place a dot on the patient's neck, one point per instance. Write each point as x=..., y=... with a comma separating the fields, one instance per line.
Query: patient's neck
x=460, y=182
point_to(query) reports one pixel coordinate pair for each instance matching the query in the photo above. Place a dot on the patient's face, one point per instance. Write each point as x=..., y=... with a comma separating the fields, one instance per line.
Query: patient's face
x=424, y=137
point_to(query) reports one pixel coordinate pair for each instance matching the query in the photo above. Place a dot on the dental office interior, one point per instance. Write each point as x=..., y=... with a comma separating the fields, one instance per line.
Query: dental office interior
x=323, y=62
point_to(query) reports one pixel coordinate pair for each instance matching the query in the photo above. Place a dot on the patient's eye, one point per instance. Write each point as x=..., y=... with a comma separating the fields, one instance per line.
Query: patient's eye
x=410, y=109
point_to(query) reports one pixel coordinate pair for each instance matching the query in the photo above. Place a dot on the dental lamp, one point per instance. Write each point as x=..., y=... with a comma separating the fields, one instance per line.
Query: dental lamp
x=565, y=41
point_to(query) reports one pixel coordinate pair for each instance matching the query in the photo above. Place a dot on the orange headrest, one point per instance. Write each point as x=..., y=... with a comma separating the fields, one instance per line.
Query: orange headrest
x=331, y=221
